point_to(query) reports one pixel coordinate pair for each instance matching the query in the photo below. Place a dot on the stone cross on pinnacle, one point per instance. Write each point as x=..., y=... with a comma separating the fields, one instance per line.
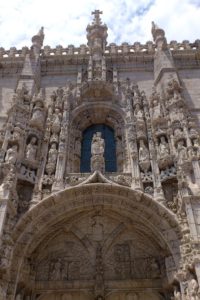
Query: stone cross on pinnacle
x=97, y=14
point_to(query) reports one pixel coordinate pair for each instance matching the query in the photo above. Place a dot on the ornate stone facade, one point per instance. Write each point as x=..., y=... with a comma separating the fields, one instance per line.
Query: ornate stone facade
x=99, y=170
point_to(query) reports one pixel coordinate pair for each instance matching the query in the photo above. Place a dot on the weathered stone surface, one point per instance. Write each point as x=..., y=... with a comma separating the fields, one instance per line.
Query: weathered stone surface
x=128, y=232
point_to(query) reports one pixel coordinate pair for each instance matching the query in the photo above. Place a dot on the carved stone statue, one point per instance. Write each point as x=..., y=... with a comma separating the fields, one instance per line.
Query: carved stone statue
x=192, y=289
x=97, y=151
x=163, y=147
x=182, y=154
x=38, y=116
x=56, y=271
x=155, y=105
x=144, y=160
x=174, y=89
x=138, y=113
x=11, y=154
x=56, y=121
x=52, y=159
x=31, y=149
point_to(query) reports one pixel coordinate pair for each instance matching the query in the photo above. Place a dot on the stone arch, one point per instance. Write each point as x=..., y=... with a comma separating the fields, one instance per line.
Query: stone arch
x=91, y=114
x=73, y=203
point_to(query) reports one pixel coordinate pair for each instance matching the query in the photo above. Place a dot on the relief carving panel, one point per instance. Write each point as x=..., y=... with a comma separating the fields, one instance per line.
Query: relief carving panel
x=68, y=262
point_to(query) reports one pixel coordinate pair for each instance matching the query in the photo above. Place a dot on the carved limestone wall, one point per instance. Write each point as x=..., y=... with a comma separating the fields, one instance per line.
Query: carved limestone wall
x=130, y=233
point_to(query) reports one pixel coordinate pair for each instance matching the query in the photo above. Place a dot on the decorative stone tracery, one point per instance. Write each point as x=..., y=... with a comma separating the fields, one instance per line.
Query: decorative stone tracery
x=132, y=233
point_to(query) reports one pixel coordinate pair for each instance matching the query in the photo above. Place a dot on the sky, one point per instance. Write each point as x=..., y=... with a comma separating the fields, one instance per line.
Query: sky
x=65, y=21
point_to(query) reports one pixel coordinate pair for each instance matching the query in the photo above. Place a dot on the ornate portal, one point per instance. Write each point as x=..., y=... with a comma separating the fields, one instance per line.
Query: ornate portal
x=99, y=170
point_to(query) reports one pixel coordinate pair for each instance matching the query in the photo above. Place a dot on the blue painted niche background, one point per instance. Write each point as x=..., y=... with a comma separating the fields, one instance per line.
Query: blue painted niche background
x=107, y=134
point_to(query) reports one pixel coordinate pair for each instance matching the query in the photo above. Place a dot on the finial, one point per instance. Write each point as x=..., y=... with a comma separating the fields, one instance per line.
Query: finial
x=37, y=40
x=97, y=19
x=41, y=32
x=159, y=36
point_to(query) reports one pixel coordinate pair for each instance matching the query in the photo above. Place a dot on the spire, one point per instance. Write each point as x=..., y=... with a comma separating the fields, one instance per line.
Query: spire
x=97, y=34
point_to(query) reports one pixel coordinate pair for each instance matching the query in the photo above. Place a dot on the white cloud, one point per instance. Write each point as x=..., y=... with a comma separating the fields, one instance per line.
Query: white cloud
x=65, y=21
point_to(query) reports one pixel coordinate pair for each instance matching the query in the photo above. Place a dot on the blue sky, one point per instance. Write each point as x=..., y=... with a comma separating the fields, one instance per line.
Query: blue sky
x=65, y=21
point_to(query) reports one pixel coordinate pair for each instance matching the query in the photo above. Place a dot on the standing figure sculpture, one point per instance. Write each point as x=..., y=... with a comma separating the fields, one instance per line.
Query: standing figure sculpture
x=11, y=155
x=144, y=159
x=182, y=155
x=31, y=149
x=192, y=289
x=163, y=147
x=97, y=151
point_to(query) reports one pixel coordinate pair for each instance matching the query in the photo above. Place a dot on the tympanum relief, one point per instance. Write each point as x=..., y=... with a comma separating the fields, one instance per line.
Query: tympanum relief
x=105, y=245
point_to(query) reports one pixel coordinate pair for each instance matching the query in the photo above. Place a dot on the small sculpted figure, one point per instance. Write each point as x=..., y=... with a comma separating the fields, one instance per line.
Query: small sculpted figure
x=97, y=151
x=138, y=113
x=11, y=154
x=143, y=152
x=163, y=147
x=31, y=149
x=182, y=153
x=52, y=157
x=192, y=289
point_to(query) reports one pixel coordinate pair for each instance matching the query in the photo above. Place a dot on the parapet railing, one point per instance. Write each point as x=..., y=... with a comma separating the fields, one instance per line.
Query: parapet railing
x=111, y=49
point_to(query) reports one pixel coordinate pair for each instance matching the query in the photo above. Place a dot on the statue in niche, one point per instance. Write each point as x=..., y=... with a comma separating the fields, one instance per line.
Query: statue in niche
x=55, y=273
x=138, y=113
x=163, y=147
x=174, y=89
x=56, y=121
x=52, y=156
x=97, y=228
x=155, y=104
x=38, y=116
x=144, y=160
x=182, y=154
x=11, y=155
x=97, y=151
x=153, y=268
x=31, y=149
x=192, y=288
x=178, y=132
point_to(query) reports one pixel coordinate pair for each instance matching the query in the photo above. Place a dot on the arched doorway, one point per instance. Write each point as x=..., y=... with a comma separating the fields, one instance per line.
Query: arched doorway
x=94, y=239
